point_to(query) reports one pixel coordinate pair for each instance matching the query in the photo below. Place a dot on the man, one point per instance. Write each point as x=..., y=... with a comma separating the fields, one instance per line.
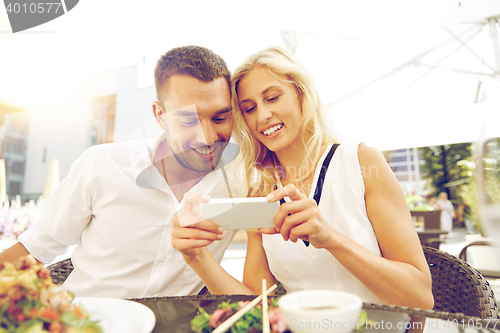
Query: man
x=118, y=199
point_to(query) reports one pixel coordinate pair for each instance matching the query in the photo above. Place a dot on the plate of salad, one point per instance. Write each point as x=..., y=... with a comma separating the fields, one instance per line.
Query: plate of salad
x=118, y=315
x=31, y=303
x=209, y=318
x=251, y=322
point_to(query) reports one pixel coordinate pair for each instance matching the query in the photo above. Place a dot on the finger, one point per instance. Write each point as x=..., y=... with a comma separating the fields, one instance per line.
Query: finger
x=190, y=198
x=189, y=220
x=293, y=193
x=288, y=191
x=274, y=195
x=194, y=233
x=292, y=207
x=300, y=231
x=208, y=226
x=293, y=221
x=188, y=244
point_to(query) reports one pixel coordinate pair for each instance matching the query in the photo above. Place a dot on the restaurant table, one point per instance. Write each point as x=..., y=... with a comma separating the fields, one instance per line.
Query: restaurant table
x=427, y=234
x=431, y=219
x=173, y=315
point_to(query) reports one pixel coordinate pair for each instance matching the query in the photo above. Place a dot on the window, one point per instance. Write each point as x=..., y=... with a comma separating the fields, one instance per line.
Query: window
x=14, y=188
x=14, y=146
x=16, y=168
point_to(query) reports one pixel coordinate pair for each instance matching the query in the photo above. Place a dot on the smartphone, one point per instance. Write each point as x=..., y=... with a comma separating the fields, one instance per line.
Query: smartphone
x=240, y=213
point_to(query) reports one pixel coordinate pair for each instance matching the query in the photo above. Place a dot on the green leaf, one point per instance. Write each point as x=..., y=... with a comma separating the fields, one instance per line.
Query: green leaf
x=3, y=309
x=31, y=326
x=70, y=318
x=199, y=323
x=364, y=317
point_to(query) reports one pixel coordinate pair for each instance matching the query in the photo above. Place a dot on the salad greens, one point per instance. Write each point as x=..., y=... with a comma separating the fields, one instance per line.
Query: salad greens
x=251, y=322
x=31, y=303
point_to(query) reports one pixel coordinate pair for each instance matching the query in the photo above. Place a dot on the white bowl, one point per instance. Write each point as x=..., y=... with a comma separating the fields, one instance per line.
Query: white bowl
x=321, y=311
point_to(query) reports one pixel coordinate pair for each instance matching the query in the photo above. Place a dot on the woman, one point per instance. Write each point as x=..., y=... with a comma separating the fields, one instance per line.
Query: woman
x=361, y=237
x=447, y=212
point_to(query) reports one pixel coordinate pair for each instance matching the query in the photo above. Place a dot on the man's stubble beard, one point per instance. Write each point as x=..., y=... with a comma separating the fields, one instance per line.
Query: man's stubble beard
x=184, y=158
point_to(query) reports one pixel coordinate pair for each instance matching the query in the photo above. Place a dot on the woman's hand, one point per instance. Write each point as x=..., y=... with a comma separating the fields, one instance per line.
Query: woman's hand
x=191, y=233
x=299, y=219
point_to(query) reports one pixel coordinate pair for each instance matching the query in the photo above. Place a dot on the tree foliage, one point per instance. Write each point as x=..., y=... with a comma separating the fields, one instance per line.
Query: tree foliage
x=446, y=168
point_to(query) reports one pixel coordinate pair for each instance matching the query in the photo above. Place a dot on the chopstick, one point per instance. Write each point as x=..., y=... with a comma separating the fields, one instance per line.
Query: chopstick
x=265, y=314
x=234, y=318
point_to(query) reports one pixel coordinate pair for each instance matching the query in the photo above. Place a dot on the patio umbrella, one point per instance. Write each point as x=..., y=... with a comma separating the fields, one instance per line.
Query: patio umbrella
x=394, y=73
x=402, y=75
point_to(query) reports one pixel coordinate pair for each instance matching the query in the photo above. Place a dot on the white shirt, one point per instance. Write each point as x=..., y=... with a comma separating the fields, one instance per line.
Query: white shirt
x=342, y=204
x=116, y=206
x=447, y=214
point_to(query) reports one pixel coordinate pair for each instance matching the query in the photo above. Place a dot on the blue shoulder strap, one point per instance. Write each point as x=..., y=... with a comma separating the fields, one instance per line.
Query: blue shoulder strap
x=321, y=178
x=322, y=173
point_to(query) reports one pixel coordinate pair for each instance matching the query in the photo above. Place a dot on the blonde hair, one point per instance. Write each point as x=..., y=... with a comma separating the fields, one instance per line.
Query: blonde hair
x=261, y=167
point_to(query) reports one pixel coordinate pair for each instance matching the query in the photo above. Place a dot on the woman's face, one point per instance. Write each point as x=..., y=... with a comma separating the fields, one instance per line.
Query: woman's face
x=271, y=109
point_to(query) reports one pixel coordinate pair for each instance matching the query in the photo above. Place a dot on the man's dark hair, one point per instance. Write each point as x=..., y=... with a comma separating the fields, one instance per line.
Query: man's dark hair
x=195, y=61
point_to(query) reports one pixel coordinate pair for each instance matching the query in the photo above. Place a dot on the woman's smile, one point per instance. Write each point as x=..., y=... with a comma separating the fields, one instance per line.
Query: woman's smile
x=271, y=108
x=273, y=131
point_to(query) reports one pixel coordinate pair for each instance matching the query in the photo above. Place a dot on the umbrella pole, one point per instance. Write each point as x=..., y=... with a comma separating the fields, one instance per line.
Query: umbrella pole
x=495, y=40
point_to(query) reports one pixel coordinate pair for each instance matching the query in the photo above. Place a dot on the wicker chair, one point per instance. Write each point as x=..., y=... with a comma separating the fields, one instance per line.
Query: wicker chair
x=434, y=242
x=60, y=270
x=458, y=287
x=487, y=273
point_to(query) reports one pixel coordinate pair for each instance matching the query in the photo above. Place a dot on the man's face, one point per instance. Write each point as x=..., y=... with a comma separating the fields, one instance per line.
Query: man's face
x=197, y=120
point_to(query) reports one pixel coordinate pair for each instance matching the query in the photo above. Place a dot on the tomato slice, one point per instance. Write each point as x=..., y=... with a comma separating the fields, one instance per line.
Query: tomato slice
x=49, y=314
x=79, y=312
x=19, y=315
x=34, y=312
x=56, y=327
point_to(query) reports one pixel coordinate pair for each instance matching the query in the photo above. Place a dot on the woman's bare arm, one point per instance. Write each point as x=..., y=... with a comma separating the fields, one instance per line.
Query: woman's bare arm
x=401, y=276
x=256, y=264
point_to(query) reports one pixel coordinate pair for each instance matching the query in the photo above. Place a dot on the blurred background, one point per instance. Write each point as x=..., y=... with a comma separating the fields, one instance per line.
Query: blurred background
x=410, y=78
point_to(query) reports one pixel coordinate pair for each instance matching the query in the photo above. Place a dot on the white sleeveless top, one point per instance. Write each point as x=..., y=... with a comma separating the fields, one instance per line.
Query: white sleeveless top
x=342, y=204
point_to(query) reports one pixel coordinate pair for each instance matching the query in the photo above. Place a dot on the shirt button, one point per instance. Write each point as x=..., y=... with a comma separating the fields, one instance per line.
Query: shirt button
x=162, y=260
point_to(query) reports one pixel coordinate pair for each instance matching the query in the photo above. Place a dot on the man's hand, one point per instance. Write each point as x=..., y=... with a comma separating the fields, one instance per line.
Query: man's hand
x=12, y=253
x=191, y=233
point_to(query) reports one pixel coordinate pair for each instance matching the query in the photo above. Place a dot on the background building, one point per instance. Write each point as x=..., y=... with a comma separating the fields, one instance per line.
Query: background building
x=405, y=163
x=101, y=107
x=13, y=134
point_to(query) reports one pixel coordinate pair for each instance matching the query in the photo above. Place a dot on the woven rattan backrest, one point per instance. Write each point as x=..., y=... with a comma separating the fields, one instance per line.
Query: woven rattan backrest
x=60, y=270
x=458, y=287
